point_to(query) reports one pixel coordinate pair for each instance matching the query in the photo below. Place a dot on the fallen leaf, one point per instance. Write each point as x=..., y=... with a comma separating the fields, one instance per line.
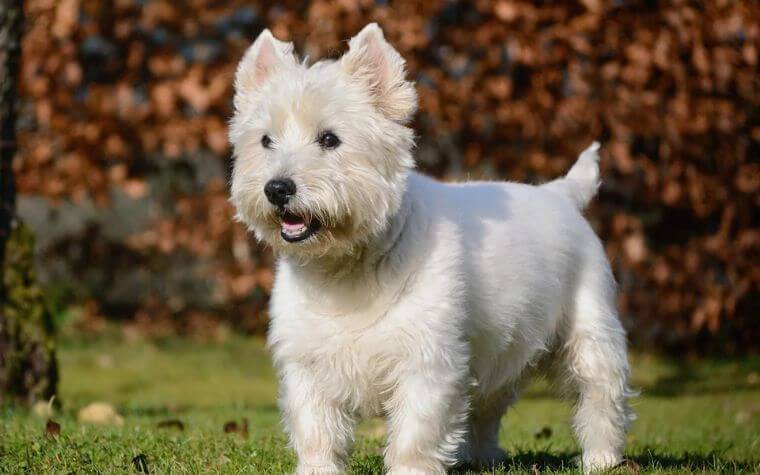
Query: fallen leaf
x=233, y=427
x=544, y=433
x=171, y=424
x=141, y=463
x=52, y=428
x=631, y=466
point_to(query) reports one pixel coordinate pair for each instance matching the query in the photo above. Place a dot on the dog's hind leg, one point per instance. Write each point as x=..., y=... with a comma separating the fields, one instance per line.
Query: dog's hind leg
x=595, y=357
x=481, y=446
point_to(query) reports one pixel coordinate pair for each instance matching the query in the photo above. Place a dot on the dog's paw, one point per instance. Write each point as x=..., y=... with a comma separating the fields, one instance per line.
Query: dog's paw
x=599, y=461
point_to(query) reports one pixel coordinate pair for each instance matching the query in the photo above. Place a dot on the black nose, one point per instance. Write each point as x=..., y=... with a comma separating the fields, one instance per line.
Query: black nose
x=279, y=191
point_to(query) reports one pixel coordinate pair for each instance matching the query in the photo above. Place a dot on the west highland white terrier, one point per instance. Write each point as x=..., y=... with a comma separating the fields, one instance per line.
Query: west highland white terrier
x=395, y=295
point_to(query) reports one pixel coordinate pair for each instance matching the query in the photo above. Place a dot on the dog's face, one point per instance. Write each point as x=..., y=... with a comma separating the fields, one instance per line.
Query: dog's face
x=321, y=152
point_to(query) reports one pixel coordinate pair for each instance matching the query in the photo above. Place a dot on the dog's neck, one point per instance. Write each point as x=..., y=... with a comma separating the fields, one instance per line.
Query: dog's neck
x=367, y=256
x=375, y=270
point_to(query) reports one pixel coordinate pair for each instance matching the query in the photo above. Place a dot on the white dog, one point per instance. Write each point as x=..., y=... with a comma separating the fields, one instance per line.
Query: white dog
x=400, y=296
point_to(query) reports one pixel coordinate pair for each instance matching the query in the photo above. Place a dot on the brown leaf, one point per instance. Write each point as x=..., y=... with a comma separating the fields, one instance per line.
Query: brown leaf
x=230, y=427
x=52, y=428
x=544, y=433
x=631, y=466
x=140, y=463
x=65, y=18
x=171, y=424
x=233, y=427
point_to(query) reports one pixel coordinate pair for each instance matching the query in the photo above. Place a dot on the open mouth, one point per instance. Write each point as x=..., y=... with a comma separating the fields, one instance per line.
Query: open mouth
x=295, y=228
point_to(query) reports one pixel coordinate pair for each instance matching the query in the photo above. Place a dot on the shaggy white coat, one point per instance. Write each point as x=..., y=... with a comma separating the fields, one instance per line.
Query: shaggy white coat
x=427, y=303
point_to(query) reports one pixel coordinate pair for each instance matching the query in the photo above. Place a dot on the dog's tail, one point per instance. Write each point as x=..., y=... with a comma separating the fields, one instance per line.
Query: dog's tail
x=582, y=181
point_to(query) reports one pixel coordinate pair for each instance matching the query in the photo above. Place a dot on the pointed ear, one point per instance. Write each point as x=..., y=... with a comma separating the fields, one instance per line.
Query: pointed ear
x=374, y=61
x=266, y=55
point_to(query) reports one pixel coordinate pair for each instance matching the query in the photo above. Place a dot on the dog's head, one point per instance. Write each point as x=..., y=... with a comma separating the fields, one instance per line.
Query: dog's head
x=322, y=152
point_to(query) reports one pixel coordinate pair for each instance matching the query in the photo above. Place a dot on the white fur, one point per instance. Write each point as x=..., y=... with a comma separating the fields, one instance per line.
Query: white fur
x=423, y=302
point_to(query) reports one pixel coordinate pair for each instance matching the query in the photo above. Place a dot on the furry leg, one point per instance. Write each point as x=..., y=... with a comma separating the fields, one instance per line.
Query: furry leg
x=321, y=431
x=426, y=421
x=597, y=362
x=481, y=447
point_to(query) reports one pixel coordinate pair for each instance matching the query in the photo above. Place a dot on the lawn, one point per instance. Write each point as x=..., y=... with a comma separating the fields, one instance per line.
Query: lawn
x=692, y=417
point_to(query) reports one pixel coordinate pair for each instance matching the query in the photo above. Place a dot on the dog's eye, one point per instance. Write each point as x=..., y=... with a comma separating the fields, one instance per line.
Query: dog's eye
x=328, y=140
x=266, y=142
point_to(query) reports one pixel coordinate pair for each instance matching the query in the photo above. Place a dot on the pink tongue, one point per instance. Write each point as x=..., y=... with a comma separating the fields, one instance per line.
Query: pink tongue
x=292, y=227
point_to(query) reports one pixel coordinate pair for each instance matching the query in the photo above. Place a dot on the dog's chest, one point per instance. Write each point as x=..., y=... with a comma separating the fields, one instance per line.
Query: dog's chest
x=356, y=354
x=356, y=340
x=360, y=365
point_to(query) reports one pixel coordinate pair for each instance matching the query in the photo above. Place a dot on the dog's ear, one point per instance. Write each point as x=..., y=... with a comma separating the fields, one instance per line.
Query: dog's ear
x=371, y=59
x=264, y=56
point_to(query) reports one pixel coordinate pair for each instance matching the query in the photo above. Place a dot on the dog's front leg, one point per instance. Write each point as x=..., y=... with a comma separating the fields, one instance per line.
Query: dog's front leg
x=320, y=429
x=426, y=417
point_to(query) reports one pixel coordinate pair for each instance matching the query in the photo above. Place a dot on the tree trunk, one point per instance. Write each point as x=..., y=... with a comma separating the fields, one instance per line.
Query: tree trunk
x=28, y=369
x=11, y=20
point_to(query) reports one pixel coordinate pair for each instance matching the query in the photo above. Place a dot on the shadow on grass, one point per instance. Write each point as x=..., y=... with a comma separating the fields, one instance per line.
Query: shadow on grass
x=646, y=462
x=542, y=461
x=689, y=378
x=712, y=461
x=711, y=377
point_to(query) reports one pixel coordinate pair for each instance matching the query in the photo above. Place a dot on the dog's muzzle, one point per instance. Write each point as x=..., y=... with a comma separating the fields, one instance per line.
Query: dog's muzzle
x=294, y=227
x=279, y=191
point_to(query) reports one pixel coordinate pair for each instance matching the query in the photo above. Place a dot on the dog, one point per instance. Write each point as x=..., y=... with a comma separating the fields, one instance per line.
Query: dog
x=395, y=295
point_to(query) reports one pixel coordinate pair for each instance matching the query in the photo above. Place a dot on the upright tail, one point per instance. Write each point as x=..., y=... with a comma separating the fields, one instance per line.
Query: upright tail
x=582, y=181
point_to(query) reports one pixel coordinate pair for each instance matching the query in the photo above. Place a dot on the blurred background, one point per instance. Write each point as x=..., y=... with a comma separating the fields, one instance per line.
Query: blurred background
x=123, y=163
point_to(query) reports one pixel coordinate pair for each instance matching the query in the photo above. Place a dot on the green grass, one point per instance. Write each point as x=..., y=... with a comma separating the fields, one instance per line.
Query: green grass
x=701, y=417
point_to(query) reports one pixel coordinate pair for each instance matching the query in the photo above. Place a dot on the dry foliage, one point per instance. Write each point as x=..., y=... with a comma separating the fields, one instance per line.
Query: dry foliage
x=132, y=97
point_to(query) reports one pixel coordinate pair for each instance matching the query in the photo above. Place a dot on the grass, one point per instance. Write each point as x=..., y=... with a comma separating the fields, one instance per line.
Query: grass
x=702, y=417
